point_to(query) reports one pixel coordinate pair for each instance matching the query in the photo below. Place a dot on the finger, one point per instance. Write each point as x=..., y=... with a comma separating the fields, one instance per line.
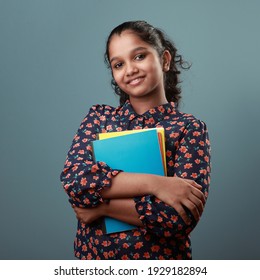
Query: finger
x=80, y=219
x=78, y=213
x=200, y=195
x=183, y=214
x=78, y=209
x=198, y=203
x=194, y=184
x=193, y=209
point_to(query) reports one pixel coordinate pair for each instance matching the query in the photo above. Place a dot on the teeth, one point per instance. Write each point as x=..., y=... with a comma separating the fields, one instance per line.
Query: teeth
x=135, y=81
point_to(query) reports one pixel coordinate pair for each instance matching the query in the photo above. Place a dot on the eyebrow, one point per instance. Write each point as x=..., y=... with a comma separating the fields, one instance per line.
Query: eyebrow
x=132, y=51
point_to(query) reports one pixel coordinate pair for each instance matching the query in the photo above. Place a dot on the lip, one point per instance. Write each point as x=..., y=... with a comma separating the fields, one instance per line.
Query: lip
x=135, y=81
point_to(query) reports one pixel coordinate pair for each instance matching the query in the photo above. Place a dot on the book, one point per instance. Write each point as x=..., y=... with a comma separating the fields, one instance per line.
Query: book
x=131, y=152
x=161, y=135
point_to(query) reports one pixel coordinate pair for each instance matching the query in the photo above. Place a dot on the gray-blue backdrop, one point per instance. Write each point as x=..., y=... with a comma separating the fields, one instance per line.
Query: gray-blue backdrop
x=52, y=71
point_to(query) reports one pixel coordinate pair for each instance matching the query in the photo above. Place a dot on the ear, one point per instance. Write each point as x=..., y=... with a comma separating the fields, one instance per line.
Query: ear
x=166, y=58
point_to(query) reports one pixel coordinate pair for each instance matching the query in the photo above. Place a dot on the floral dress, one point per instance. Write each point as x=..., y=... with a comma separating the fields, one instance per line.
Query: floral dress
x=163, y=235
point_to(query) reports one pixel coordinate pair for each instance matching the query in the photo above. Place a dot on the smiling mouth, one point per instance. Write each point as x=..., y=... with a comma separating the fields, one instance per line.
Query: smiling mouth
x=136, y=81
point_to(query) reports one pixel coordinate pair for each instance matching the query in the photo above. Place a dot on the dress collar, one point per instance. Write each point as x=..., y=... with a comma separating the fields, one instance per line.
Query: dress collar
x=127, y=112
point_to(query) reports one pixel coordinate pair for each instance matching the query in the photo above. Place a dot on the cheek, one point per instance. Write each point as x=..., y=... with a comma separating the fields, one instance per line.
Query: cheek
x=117, y=75
x=157, y=70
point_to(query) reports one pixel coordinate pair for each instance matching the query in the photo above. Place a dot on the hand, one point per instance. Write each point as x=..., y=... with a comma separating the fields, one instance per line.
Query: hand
x=88, y=215
x=180, y=193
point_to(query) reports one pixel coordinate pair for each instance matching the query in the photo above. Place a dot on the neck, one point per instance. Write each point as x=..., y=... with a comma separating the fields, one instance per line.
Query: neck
x=141, y=105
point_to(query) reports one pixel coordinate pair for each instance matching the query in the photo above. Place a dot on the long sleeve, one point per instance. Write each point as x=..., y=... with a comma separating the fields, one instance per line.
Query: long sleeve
x=82, y=178
x=190, y=159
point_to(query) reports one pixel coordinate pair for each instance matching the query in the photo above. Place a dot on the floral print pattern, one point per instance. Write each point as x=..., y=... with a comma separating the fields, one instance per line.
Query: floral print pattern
x=163, y=235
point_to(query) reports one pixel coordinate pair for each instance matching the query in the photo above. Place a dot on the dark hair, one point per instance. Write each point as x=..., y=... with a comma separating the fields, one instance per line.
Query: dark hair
x=159, y=41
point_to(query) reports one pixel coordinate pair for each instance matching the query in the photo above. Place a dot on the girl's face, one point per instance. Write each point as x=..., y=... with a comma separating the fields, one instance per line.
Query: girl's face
x=136, y=66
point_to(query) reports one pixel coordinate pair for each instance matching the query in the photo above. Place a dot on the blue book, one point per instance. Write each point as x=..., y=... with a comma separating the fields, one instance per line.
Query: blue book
x=136, y=153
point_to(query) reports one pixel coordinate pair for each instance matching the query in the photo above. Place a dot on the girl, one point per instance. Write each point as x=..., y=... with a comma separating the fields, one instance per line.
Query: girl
x=145, y=74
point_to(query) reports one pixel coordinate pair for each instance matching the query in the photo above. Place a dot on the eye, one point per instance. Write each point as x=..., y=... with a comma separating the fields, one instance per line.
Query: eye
x=118, y=65
x=140, y=56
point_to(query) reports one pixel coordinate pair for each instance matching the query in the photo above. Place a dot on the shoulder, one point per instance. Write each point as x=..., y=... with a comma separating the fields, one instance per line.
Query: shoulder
x=101, y=109
x=190, y=123
x=101, y=113
x=190, y=130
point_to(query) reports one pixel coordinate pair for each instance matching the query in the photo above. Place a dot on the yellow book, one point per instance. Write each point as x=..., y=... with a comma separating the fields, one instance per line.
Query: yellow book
x=160, y=131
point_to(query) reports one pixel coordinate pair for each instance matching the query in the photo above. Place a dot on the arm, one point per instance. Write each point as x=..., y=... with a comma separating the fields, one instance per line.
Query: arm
x=175, y=191
x=121, y=209
x=191, y=161
x=82, y=178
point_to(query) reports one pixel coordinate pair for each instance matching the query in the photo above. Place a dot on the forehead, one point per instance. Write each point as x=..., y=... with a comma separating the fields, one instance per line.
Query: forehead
x=124, y=43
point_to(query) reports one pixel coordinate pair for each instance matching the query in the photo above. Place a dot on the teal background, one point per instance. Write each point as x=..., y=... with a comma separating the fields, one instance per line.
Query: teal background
x=52, y=71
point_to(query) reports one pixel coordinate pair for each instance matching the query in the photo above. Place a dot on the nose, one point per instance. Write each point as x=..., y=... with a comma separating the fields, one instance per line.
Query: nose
x=131, y=69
